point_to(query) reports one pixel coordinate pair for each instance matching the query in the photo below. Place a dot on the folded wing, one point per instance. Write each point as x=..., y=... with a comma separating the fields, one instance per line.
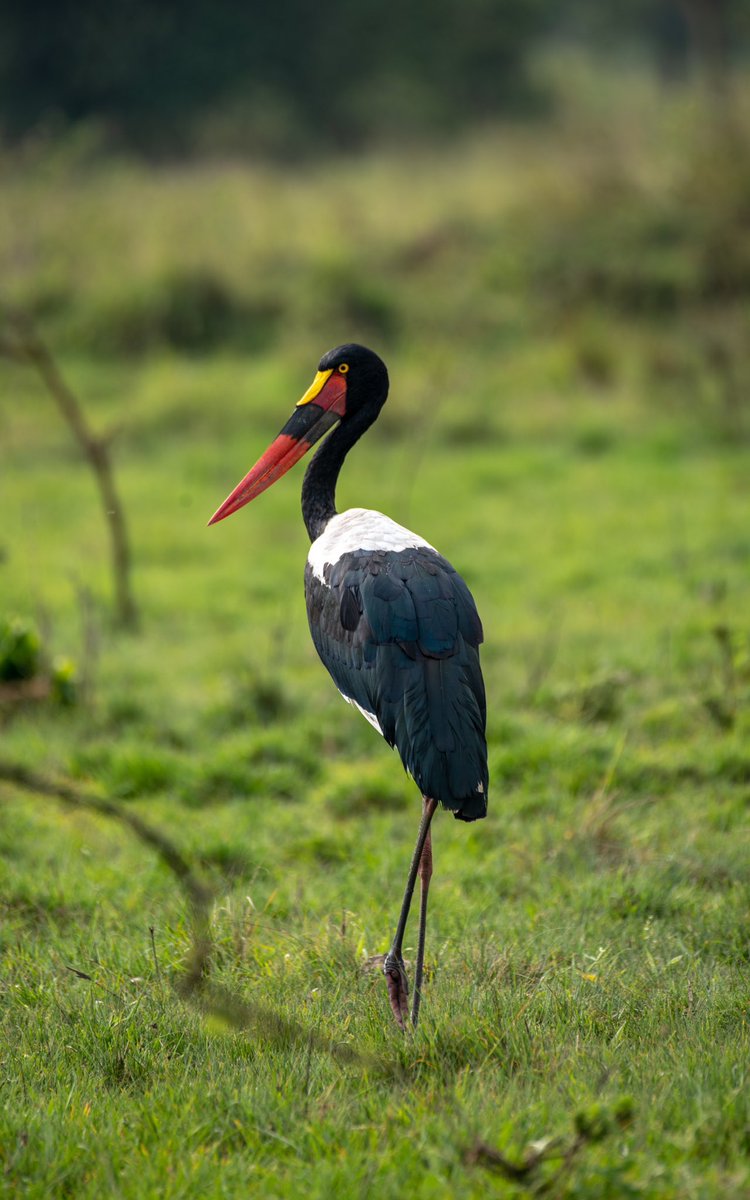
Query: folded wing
x=399, y=633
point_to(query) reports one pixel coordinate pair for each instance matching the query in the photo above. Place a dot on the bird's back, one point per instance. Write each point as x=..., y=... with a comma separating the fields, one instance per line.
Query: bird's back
x=398, y=630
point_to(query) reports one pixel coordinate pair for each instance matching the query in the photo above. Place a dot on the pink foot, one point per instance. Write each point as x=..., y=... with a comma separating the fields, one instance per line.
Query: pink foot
x=398, y=988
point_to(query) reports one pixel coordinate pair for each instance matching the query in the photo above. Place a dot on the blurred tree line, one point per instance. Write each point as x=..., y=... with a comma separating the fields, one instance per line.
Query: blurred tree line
x=170, y=76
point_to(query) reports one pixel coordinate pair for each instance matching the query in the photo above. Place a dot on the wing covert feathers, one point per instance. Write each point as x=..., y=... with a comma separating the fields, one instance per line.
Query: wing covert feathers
x=399, y=633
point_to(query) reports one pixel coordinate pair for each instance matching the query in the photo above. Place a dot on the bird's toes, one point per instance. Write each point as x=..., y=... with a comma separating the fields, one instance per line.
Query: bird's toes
x=398, y=988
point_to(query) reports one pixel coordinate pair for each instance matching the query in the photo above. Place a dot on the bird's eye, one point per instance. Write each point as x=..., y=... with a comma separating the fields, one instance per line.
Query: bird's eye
x=343, y=368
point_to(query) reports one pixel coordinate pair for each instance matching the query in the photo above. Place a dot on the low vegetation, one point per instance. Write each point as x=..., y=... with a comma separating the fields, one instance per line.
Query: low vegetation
x=569, y=423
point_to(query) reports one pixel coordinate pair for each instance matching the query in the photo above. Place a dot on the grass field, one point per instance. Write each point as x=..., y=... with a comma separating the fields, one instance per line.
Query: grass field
x=568, y=423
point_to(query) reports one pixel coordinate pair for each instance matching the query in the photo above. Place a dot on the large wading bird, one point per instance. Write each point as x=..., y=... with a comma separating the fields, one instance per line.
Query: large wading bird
x=394, y=624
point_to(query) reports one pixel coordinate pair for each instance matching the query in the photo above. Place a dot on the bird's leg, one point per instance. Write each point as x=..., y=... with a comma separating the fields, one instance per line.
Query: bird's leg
x=425, y=875
x=393, y=967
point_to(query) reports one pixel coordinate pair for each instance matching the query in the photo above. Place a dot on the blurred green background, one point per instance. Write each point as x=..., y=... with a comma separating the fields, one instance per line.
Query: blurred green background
x=292, y=80
x=541, y=220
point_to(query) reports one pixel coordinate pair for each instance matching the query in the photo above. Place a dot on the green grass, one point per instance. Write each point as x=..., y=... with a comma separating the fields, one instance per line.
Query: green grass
x=588, y=941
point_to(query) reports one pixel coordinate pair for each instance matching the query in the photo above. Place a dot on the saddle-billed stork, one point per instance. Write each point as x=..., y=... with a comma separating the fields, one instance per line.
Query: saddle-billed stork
x=394, y=624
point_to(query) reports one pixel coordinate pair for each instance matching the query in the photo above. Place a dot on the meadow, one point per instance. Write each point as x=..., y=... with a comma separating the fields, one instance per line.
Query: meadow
x=564, y=312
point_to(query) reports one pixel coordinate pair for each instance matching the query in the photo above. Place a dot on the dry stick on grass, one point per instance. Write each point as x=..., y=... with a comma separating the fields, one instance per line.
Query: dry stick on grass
x=212, y=999
x=24, y=345
x=197, y=892
x=526, y=1172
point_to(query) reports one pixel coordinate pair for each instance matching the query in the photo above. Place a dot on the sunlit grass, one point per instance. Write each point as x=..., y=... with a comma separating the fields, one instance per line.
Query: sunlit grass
x=580, y=467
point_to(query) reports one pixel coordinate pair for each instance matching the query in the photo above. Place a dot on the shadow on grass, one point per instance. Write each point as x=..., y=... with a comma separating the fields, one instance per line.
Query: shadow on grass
x=195, y=984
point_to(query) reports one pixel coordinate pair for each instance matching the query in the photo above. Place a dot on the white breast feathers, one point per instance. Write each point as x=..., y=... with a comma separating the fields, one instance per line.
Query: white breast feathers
x=359, y=529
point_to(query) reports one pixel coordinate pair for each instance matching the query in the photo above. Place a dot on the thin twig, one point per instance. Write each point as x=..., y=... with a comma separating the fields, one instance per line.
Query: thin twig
x=194, y=985
x=26, y=346
x=157, y=968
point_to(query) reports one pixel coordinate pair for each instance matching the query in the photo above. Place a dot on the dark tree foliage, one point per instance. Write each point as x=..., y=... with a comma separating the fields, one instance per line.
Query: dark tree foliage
x=290, y=75
x=332, y=73
x=679, y=34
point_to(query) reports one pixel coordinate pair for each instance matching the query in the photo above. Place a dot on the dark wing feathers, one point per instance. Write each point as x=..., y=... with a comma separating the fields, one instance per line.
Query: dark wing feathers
x=350, y=608
x=468, y=617
x=399, y=634
x=390, y=608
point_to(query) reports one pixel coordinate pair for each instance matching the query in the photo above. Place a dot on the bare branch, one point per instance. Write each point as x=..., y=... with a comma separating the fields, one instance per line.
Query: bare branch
x=194, y=984
x=24, y=345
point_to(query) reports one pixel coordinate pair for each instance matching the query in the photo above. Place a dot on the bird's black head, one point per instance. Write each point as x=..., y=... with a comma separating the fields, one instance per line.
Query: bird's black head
x=364, y=372
x=350, y=380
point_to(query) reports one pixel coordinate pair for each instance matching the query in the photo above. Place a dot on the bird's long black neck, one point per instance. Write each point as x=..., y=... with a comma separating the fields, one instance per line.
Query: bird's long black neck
x=319, y=485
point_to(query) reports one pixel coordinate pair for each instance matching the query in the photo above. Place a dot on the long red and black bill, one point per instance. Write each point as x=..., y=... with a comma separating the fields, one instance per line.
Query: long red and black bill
x=321, y=407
